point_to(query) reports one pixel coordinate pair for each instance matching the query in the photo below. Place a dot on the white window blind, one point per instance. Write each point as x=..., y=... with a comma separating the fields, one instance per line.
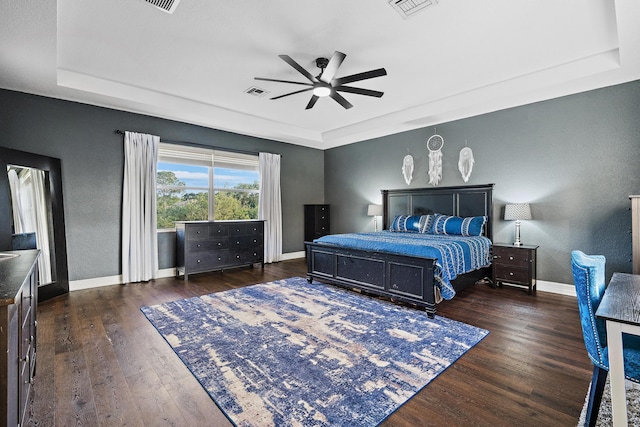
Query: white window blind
x=185, y=154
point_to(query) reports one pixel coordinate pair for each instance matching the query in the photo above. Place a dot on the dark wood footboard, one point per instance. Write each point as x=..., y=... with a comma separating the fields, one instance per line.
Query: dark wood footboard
x=403, y=278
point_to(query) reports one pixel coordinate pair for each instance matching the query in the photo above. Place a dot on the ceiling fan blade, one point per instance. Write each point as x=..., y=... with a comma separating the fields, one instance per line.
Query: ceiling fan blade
x=312, y=102
x=291, y=93
x=360, y=76
x=332, y=67
x=294, y=64
x=282, y=81
x=359, y=91
x=340, y=99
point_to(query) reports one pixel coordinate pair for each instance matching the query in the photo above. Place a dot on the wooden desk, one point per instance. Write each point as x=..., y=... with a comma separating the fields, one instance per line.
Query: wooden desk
x=620, y=308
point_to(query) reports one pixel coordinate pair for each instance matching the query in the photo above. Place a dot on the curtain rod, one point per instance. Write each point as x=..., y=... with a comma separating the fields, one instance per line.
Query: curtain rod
x=194, y=144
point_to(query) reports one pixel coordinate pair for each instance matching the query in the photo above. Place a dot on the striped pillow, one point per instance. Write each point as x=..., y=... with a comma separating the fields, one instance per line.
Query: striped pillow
x=412, y=223
x=455, y=225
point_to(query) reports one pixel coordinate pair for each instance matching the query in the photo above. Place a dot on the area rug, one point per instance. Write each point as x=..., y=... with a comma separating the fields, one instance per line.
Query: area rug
x=604, y=414
x=290, y=353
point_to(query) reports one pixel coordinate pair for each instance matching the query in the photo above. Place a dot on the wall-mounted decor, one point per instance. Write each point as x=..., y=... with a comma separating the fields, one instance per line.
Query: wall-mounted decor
x=465, y=163
x=435, y=144
x=407, y=168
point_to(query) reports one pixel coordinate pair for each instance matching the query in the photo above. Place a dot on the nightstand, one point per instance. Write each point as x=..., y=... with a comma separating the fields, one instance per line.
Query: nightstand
x=515, y=265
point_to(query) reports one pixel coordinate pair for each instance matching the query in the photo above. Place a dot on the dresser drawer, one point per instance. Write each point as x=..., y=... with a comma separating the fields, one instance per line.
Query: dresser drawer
x=198, y=245
x=510, y=256
x=207, y=260
x=512, y=274
x=206, y=231
x=242, y=256
x=248, y=229
x=245, y=241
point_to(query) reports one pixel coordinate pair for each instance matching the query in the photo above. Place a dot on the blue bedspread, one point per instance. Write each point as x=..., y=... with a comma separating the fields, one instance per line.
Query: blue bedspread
x=454, y=254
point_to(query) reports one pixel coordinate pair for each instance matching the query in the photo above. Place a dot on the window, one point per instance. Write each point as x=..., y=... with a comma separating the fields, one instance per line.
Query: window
x=196, y=184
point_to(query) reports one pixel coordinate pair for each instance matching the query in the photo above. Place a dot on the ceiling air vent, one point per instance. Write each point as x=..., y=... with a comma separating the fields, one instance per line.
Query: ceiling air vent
x=406, y=8
x=165, y=5
x=256, y=91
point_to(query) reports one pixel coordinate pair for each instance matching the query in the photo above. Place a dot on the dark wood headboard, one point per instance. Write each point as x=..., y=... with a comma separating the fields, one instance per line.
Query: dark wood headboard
x=467, y=200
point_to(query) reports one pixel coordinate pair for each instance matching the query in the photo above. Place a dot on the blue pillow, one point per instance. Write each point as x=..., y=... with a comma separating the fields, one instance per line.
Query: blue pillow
x=455, y=225
x=412, y=223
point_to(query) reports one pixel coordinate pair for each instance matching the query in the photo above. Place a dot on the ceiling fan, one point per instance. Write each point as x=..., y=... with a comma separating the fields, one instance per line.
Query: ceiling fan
x=326, y=84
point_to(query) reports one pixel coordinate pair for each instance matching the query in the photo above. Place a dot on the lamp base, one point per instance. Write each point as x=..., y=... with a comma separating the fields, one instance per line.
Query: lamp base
x=517, y=242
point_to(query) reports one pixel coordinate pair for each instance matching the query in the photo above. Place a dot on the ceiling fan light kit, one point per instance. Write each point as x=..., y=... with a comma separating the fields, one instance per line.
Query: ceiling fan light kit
x=326, y=84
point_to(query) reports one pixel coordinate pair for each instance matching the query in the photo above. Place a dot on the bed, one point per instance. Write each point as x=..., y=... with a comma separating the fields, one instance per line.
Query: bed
x=416, y=277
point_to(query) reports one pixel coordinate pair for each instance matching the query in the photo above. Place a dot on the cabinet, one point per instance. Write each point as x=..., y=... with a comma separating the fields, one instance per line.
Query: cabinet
x=18, y=303
x=316, y=221
x=215, y=245
x=515, y=265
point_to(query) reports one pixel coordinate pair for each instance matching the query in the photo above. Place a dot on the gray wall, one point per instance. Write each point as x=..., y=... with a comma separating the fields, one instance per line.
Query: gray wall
x=83, y=137
x=575, y=159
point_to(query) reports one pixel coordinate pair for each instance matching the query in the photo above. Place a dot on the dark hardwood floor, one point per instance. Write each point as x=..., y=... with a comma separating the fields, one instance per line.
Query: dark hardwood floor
x=101, y=363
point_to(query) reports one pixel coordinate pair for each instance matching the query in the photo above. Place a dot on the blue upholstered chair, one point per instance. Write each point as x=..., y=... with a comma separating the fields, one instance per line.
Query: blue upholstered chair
x=589, y=280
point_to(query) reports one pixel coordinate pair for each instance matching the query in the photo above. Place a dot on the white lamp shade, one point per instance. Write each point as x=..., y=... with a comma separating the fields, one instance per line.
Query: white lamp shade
x=374, y=210
x=517, y=211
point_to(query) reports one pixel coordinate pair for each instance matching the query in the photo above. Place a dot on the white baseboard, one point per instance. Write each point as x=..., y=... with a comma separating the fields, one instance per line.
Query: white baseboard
x=78, y=285
x=292, y=255
x=556, y=288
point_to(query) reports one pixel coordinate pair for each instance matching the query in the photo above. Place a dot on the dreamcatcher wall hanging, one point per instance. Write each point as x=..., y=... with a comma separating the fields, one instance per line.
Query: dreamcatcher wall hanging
x=465, y=162
x=407, y=168
x=435, y=144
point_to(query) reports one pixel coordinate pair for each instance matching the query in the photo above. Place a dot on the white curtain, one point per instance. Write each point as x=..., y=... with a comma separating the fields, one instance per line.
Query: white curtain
x=270, y=206
x=41, y=224
x=16, y=205
x=139, y=239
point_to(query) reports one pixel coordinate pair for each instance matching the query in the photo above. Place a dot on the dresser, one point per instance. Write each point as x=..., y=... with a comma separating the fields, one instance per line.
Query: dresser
x=18, y=303
x=316, y=221
x=217, y=245
x=515, y=265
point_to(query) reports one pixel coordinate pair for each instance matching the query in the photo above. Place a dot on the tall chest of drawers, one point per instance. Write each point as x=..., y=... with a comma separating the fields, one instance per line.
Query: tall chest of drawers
x=316, y=221
x=217, y=245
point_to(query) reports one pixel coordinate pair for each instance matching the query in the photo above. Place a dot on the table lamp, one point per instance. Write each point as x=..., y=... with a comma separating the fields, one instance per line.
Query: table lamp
x=375, y=211
x=517, y=212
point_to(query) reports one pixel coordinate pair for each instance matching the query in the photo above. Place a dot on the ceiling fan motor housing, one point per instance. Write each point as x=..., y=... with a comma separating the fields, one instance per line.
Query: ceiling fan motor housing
x=322, y=63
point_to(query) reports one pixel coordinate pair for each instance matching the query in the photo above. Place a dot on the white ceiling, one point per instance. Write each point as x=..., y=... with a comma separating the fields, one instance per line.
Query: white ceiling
x=456, y=59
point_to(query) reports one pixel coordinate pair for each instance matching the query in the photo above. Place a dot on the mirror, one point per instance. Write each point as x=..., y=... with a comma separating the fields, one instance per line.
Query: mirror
x=31, y=217
x=31, y=202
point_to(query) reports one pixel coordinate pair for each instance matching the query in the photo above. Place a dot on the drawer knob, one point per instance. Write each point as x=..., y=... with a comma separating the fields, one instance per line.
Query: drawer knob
x=510, y=273
x=199, y=245
x=198, y=261
x=197, y=232
x=219, y=244
x=510, y=258
x=237, y=256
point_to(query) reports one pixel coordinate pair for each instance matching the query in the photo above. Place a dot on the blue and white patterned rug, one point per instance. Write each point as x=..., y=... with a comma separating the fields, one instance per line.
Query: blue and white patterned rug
x=290, y=353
